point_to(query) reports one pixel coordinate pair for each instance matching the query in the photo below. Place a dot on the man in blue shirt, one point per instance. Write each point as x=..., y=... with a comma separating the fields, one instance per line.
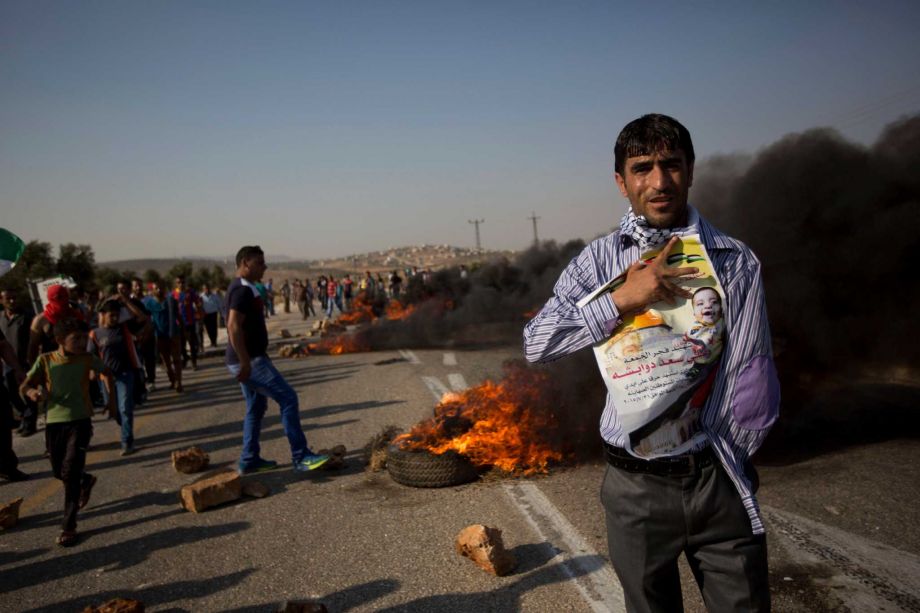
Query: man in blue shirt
x=699, y=502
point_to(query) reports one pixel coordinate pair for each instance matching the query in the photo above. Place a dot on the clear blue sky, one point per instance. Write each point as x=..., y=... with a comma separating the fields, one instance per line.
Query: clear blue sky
x=317, y=129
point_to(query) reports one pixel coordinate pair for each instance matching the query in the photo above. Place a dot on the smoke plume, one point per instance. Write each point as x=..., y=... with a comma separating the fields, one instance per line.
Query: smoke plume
x=834, y=225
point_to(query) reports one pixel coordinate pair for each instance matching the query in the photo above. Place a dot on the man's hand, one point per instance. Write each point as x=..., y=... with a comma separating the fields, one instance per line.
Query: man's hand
x=37, y=394
x=649, y=283
x=245, y=371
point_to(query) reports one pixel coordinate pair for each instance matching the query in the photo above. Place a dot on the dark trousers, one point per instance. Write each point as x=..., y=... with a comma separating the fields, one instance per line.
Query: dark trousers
x=8, y=460
x=67, y=443
x=27, y=409
x=148, y=353
x=190, y=336
x=210, y=326
x=652, y=519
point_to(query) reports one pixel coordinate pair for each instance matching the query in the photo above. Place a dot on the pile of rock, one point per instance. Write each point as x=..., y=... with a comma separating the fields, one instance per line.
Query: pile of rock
x=296, y=350
x=336, y=457
x=192, y=460
x=9, y=514
x=483, y=545
x=219, y=488
x=118, y=605
x=210, y=491
x=325, y=327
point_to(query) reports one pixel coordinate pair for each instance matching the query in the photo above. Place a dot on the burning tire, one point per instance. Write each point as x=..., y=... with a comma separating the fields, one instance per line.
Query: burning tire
x=424, y=469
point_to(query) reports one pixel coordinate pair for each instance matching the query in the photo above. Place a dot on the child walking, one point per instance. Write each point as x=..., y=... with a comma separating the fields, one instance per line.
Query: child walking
x=114, y=345
x=62, y=377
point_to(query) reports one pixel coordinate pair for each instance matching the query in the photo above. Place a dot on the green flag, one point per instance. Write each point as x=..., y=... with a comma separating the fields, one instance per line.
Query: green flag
x=11, y=247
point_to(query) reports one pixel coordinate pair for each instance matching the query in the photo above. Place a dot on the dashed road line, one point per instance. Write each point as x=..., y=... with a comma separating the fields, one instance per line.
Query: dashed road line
x=409, y=356
x=435, y=386
x=457, y=382
x=591, y=574
x=450, y=359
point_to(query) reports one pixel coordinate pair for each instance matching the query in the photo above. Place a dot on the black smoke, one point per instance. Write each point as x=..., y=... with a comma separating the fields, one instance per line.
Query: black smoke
x=834, y=224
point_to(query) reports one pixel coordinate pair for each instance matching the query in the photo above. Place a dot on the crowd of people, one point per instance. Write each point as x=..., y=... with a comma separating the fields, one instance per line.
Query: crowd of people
x=86, y=352
x=99, y=351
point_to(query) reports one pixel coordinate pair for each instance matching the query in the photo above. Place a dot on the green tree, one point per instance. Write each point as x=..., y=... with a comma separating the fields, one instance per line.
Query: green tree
x=181, y=269
x=77, y=262
x=36, y=263
x=107, y=278
x=152, y=276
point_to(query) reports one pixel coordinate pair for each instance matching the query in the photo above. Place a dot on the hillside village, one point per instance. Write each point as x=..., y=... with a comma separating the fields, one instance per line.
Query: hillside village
x=433, y=257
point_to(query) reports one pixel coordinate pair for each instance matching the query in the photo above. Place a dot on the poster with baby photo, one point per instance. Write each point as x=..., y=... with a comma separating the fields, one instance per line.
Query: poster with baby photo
x=659, y=364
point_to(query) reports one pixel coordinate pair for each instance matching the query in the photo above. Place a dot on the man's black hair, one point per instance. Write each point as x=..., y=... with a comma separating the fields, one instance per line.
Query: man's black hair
x=69, y=325
x=247, y=253
x=110, y=306
x=653, y=133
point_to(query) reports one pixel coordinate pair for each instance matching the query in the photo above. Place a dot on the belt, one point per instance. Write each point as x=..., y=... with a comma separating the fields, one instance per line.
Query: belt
x=675, y=466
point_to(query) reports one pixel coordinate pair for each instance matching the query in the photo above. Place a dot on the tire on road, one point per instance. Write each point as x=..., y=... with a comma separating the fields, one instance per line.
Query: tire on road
x=424, y=469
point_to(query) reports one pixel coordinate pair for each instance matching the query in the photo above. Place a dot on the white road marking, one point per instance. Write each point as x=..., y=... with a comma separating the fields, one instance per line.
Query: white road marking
x=435, y=386
x=592, y=575
x=450, y=359
x=409, y=356
x=457, y=382
x=869, y=576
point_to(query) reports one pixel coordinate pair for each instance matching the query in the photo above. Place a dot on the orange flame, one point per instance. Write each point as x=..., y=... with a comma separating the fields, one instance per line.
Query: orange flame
x=360, y=313
x=509, y=424
x=337, y=345
x=397, y=312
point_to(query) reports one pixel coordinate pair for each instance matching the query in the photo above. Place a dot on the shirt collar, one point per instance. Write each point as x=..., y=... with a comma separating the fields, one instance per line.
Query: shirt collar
x=251, y=286
x=711, y=236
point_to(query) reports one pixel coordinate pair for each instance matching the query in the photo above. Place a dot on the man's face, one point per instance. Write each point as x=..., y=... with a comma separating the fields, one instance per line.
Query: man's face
x=160, y=291
x=8, y=299
x=205, y=289
x=75, y=342
x=136, y=288
x=657, y=186
x=707, y=307
x=122, y=289
x=254, y=268
x=108, y=319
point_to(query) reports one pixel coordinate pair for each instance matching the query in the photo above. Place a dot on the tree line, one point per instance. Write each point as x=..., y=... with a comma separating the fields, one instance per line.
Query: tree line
x=79, y=263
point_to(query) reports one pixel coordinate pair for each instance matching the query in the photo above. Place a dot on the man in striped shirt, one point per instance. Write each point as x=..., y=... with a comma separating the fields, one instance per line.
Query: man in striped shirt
x=700, y=503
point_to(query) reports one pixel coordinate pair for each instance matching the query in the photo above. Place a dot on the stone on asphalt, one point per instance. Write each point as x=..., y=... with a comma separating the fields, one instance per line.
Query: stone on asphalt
x=9, y=514
x=255, y=489
x=483, y=545
x=118, y=605
x=285, y=333
x=192, y=460
x=336, y=457
x=211, y=491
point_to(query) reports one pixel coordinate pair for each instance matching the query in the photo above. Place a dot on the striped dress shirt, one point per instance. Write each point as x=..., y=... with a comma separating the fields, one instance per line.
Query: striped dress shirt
x=744, y=400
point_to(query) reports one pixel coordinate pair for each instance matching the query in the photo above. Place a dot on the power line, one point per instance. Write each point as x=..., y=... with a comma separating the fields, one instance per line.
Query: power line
x=476, y=223
x=533, y=217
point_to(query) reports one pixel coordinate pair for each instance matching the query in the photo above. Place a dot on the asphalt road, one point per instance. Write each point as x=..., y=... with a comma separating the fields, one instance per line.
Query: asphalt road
x=357, y=541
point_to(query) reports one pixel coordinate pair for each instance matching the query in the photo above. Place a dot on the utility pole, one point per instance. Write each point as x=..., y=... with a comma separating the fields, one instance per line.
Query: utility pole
x=476, y=223
x=533, y=217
